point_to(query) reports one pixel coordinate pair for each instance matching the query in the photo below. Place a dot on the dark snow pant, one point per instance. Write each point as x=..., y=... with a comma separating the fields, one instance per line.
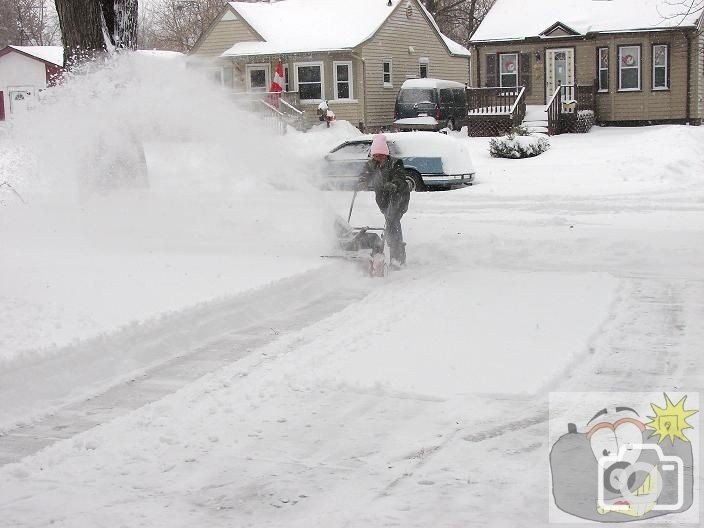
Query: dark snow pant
x=394, y=238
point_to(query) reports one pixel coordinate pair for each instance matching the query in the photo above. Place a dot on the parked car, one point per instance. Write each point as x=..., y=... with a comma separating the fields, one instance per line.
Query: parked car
x=431, y=104
x=432, y=161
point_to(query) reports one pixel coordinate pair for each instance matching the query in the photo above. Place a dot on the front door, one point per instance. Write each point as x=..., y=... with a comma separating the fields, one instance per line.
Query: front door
x=559, y=70
x=257, y=77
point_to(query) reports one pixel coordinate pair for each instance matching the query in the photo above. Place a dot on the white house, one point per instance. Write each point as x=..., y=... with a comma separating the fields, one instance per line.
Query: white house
x=24, y=71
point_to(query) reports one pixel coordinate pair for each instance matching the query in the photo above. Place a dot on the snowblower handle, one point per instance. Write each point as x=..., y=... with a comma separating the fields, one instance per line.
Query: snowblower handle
x=354, y=196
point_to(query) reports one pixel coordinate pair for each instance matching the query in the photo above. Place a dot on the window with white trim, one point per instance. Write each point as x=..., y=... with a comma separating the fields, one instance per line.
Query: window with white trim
x=343, y=79
x=309, y=79
x=423, y=67
x=603, y=69
x=387, y=70
x=508, y=69
x=629, y=68
x=661, y=65
x=258, y=78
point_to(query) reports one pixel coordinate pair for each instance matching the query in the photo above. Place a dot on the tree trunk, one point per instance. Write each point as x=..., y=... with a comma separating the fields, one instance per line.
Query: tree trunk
x=81, y=23
x=92, y=27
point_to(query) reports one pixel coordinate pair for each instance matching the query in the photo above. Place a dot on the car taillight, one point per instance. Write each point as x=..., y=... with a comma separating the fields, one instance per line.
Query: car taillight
x=437, y=112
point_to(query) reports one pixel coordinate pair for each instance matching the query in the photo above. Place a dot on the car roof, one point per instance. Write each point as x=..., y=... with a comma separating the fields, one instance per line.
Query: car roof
x=396, y=137
x=431, y=83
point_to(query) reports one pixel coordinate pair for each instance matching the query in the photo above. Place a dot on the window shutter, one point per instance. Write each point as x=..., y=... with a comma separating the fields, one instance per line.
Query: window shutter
x=492, y=66
x=526, y=71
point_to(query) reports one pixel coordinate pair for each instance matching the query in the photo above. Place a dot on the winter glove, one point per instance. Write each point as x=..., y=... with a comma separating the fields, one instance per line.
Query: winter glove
x=389, y=187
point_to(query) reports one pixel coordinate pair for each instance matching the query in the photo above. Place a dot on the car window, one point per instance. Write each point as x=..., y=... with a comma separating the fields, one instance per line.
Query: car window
x=416, y=96
x=460, y=97
x=446, y=96
x=352, y=151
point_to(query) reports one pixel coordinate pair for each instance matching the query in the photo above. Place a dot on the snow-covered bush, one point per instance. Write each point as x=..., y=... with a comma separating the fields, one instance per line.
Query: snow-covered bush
x=518, y=146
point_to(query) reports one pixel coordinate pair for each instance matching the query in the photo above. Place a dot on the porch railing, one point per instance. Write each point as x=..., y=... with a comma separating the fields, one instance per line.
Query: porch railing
x=583, y=95
x=292, y=98
x=569, y=98
x=493, y=101
x=274, y=118
x=554, y=109
x=518, y=110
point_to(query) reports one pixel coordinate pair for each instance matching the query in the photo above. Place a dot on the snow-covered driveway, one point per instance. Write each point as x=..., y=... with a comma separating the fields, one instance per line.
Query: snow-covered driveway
x=420, y=400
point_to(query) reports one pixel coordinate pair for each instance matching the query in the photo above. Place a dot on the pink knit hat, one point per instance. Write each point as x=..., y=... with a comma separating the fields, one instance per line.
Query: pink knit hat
x=379, y=145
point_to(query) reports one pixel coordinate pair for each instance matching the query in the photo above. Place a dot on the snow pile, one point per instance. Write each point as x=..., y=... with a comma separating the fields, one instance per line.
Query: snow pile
x=148, y=191
x=517, y=146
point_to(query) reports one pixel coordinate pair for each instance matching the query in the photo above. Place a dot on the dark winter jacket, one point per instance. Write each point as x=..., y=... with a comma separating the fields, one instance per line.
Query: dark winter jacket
x=390, y=186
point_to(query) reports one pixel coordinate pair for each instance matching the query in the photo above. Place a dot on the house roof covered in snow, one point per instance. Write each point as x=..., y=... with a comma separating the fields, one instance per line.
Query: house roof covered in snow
x=51, y=54
x=520, y=19
x=290, y=26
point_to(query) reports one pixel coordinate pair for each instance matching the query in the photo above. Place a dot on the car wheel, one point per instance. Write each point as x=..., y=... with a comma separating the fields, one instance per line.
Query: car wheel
x=415, y=182
x=451, y=125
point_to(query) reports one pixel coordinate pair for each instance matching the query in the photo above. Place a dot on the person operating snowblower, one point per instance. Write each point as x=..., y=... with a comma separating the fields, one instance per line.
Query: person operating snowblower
x=387, y=177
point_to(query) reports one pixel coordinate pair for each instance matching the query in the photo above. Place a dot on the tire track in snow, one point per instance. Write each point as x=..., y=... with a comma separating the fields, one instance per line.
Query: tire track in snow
x=653, y=310
x=80, y=390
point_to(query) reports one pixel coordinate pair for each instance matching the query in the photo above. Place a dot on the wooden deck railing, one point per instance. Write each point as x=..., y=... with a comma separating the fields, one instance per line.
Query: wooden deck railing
x=494, y=101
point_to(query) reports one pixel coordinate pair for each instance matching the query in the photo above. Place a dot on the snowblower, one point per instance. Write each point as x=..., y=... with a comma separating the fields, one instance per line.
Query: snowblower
x=361, y=244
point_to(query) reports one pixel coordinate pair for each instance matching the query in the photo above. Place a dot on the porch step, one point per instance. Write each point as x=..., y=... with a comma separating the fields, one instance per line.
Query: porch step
x=536, y=126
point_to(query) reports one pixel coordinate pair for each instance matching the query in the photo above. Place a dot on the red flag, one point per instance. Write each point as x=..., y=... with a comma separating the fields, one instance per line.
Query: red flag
x=277, y=85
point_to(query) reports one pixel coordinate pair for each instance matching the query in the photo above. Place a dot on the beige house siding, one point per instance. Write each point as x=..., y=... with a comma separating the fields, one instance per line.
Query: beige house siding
x=348, y=109
x=392, y=41
x=643, y=105
x=222, y=36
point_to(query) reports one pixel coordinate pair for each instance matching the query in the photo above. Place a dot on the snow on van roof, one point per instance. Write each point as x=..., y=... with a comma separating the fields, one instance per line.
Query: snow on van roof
x=431, y=83
x=518, y=19
x=290, y=26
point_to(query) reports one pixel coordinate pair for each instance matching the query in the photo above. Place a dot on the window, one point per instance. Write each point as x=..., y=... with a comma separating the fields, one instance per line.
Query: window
x=661, y=65
x=309, y=79
x=352, y=151
x=508, y=65
x=343, y=79
x=629, y=68
x=387, y=74
x=257, y=77
x=286, y=82
x=603, y=69
x=423, y=67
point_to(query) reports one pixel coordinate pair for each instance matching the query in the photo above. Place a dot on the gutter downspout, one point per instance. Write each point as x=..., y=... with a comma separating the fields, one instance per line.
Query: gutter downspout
x=364, y=87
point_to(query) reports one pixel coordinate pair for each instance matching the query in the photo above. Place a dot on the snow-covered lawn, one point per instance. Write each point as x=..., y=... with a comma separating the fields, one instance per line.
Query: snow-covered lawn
x=330, y=399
